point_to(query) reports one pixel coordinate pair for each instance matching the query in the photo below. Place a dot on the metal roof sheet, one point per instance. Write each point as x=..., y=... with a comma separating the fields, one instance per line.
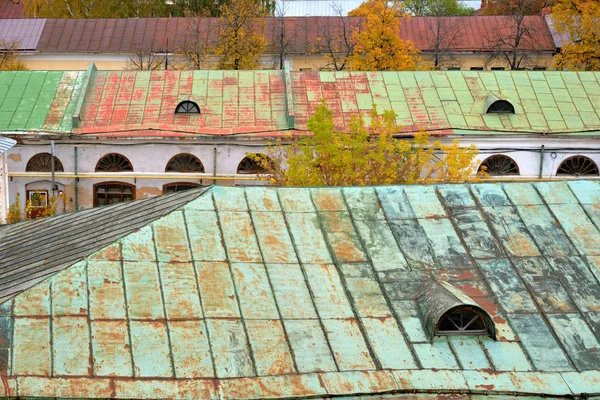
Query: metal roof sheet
x=25, y=32
x=315, y=8
x=6, y=143
x=311, y=292
x=11, y=9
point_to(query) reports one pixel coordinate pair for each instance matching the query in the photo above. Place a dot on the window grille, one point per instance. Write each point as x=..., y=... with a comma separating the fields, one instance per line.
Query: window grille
x=114, y=163
x=179, y=187
x=250, y=165
x=499, y=165
x=185, y=163
x=462, y=320
x=112, y=193
x=578, y=166
x=187, y=107
x=42, y=162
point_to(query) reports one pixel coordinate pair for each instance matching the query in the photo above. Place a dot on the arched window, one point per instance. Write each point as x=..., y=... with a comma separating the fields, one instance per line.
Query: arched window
x=499, y=165
x=106, y=193
x=179, y=187
x=42, y=162
x=187, y=107
x=184, y=162
x=464, y=320
x=254, y=164
x=578, y=166
x=501, y=107
x=114, y=162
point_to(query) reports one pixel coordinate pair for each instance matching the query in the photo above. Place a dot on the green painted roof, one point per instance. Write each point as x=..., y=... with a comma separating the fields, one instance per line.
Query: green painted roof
x=278, y=293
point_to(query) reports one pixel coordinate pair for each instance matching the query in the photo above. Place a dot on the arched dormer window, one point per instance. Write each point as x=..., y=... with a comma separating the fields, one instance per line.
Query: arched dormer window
x=185, y=163
x=114, y=162
x=500, y=107
x=42, y=162
x=499, y=165
x=578, y=166
x=187, y=107
x=463, y=320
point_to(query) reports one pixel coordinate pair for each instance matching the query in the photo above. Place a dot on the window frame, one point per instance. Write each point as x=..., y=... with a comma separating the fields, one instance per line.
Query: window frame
x=479, y=313
x=516, y=166
x=493, y=108
x=113, y=154
x=181, y=108
x=568, y=159
x=192, y=156
x=31, y=192
x=106, y=183
x=58, y=166
x=192, y=185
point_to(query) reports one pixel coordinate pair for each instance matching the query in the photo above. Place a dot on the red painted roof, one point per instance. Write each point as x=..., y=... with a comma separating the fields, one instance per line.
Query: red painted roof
x=125, y=35
x=11, y=9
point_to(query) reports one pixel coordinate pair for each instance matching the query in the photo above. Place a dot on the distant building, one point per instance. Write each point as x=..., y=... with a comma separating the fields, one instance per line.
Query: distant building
x=5, y=144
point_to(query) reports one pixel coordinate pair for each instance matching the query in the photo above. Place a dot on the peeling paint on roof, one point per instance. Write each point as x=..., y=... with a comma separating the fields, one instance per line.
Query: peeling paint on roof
x=280, y=293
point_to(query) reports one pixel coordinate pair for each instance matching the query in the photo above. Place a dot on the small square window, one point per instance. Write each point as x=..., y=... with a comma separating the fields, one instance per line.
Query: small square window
x=498, y=68
x=476, y=68
x=453, y=68
x=539, y=68
x=38, y=199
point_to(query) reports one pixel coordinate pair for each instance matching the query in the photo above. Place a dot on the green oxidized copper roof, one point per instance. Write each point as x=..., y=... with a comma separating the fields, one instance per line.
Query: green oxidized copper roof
x=39, y=100
x=261, y=292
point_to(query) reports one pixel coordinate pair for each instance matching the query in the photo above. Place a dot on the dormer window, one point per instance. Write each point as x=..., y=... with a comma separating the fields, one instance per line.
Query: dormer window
x=501, y=107
x=187, y=107
x=462, y=320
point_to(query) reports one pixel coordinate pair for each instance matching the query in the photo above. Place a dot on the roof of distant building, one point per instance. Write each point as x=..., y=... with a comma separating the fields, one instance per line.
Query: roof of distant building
x=264, y=292
x=11, y=9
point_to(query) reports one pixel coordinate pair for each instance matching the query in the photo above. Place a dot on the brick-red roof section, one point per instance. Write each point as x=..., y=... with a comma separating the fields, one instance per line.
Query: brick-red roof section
x=126, y=35
x=11, y=9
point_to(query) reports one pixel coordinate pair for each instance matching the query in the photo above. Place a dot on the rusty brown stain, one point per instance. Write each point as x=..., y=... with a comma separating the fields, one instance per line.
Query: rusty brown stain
x=16, y=157
x=147, y=191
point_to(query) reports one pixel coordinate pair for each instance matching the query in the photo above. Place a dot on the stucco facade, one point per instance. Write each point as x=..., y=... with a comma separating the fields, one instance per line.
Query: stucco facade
x=5, y=144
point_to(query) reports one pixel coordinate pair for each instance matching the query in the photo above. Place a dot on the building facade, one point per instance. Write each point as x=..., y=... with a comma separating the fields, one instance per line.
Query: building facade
x=5, y=144
x=122, y=135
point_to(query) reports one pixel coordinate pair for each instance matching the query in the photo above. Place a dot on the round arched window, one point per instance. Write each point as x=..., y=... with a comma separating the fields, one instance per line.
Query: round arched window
x=578, y=166
x=254, y=164
x=187, y=107
x=114, y=162
x=463, y=320
x=499, y=165
x=184, y=162
x=42, y=162
x=501, y=107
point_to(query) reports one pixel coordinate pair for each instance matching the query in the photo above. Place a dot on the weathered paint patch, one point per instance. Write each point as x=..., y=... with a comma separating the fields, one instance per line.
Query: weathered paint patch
x=424, y=201
x=111, y=348
x=546, y=230
x=476, y=234
x=521, y=194
x=190, y=349
x=364, y=290
x=230, y=348
x=165, y=389
x=202, y=203
x=582, y=382
x=436, y=355
x=328, y=199
x=170, y=237
x=538, y=341
x=71, y=346
x=262, y=198
x=556, y=192
x=447, y=248
x=490, y=195
x=31, y=351
x=239, y=236
x=350, y=383
x=381, y=245
x=309, y=346
x=34, y=301
x=270, y=348
x=143, y=290
x=205, y=236
x=347, y=344
x=150, y=347
x=295, y=200
x=35, y=386
x=291, y=292
x=413, y=242
x=523, y=382
x=426, y=379
x=587, y=192
x=469, y=352
x=328, y=291
x=107, y=298
x=230, y=198
x=216, y=290
x=456, y=197
x=69, y=291
x=507, y=286
x=180, y=290
x=408, y=315
x=511, y=231
x=578, y=280
x=342, y=237
x=273, y=237
x=363, y=203
x=254, y=292
x=578, y=339
x=506, y=356
x=579, y=228
x=395, y=203
x=388, y=344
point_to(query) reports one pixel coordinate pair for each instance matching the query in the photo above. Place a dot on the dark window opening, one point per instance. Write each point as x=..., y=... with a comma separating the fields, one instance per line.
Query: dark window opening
x=42, y=162
x=185, y=163
x=187, y=107
x=498, y=68
x=463, y=321
x=578, y=166
x=112, y=193
x=501, y=107
x=499, y=165
x=476, y=68
x=453, y=68
x=179, y=187
x=114, y=163
x=254, y=164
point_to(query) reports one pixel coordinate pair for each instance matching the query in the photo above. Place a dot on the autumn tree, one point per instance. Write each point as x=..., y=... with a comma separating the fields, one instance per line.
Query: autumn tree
x=241, y=35
x=283, y=36
x=578, y=20
x=514, y=42
x=507, y=7
x=195, y=50
x=147, y=58
x=378, y=45
x=9, y=60
x=95, y=8
x=436, y=8
x=366, y=155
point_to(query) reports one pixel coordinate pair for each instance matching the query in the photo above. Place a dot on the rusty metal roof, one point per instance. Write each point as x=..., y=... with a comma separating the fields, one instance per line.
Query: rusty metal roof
x=264, y=292
x=25, y=32
x=11, y=9
x=474, y=33
x=275, y=103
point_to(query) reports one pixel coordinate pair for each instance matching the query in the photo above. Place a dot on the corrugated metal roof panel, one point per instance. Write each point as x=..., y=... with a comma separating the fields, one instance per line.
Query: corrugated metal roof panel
x=11, y=9
x=26, y=32
x=6, y=143
x=315, y=8
x=199, y=298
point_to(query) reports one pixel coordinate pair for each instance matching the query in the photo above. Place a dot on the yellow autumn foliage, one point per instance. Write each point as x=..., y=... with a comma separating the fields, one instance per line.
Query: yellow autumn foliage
x=9, y=60
x=378, y=44
x=368, y=154
x=579, y=21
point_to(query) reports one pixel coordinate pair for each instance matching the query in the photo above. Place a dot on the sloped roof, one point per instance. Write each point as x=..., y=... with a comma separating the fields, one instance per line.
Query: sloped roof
x=11, y=9
x=6, y=143
x=25, y=32
x=126, y=34
x=294, y=292
x=265, y=104
x=33, y=250
x=39, y=100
